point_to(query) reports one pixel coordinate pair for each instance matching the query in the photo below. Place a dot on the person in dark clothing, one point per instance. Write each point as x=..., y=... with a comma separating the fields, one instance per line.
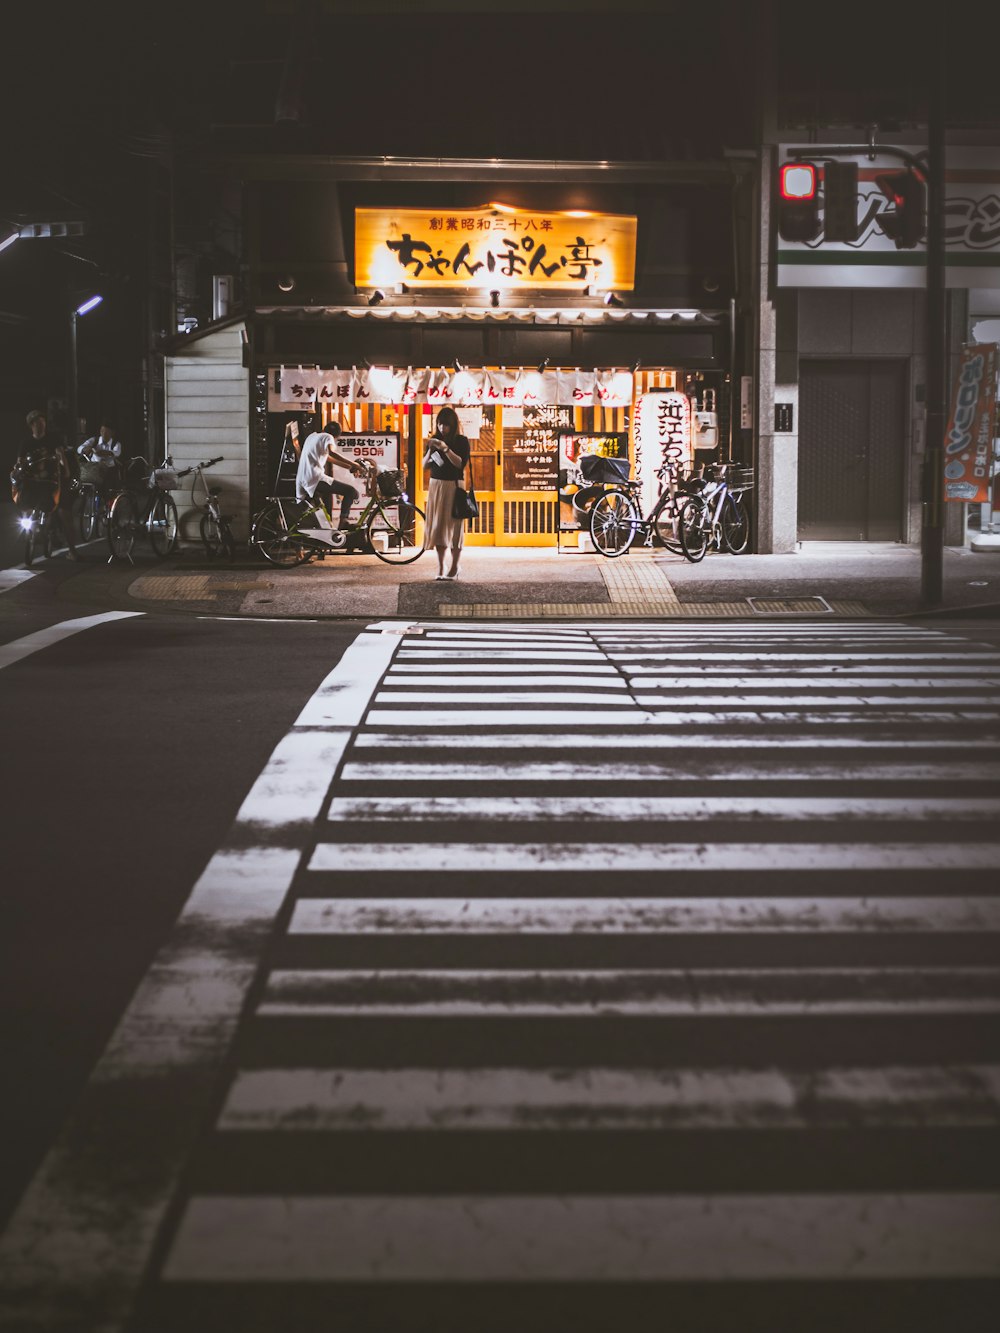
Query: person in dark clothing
x=42, y=477
x=446, y=455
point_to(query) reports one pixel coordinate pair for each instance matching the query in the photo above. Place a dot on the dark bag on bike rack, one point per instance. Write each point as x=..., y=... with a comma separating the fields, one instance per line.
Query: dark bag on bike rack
x=605, y=471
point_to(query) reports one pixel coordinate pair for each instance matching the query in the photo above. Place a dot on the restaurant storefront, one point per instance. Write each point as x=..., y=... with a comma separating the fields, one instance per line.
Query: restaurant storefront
x=529, y=429
x=561, y=308
x=528, y=322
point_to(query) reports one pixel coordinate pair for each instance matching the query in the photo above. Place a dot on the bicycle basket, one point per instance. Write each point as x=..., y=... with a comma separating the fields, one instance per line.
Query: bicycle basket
x=604, y=471
x=92, y=474
x=164, y=479
x=137, y=471
x=391, y=484
x=741, y=479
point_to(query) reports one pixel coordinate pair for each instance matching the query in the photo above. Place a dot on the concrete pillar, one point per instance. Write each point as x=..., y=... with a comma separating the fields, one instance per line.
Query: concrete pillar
x=775, y=381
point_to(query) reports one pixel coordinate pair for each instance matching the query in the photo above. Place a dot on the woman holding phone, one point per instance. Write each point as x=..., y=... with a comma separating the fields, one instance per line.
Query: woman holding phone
x=446, y=454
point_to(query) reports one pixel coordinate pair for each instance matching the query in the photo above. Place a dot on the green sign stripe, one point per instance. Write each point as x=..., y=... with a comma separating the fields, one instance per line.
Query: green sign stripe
x=883, y=257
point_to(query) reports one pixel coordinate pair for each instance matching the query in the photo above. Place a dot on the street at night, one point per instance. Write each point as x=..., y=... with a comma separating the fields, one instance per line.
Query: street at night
x=654, y=963
x=500, y=668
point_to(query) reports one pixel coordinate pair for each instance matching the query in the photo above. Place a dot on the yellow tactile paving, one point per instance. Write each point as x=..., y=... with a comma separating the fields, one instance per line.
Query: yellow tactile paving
x=643, y=609
x=188, y=587
x=172, y=588
x=637, y=580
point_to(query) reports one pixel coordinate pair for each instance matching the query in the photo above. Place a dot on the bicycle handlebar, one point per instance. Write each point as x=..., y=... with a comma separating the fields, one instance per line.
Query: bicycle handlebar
x=200, y=467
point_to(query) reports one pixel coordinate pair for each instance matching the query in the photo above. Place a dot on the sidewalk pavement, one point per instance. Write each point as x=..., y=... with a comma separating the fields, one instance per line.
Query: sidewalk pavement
x=818, y=579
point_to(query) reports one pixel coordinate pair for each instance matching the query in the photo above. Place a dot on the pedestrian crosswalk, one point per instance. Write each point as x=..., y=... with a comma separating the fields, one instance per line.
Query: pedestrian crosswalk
x=632, y=976
x=696, y=993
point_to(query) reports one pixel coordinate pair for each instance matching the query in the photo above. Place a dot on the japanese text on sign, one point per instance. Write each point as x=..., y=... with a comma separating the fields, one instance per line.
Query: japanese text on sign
x=968, y=443
x=489, y=247
x=530, y=460
x=662, y=435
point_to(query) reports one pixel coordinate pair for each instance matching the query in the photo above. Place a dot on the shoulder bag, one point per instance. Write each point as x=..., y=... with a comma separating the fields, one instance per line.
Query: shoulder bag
x=464, y=505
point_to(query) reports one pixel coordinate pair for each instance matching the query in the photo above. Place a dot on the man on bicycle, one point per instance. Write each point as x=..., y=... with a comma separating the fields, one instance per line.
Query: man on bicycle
x=312, y=482
x=104, y=452
x=41, y=478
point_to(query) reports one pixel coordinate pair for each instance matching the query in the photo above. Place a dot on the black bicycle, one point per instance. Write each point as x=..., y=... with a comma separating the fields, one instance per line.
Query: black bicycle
x=144, y=505
x=615, y=517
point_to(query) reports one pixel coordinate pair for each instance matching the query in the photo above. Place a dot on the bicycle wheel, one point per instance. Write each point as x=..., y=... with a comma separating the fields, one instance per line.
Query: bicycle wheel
x=735, y=525
x=88, y=513
x=163, y=525
x=269, y=534
x=614, y=520
x=122, y=523
x=211, y=534
x=30, y=537
x=397, y=534
x=692, y=527
x=666, y=530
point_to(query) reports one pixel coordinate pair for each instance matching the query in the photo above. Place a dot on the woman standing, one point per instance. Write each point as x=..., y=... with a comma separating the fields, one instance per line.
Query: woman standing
x=446, y=455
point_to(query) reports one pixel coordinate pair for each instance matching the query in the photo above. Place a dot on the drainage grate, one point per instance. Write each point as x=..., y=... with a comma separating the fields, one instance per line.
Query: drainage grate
x=795, y=606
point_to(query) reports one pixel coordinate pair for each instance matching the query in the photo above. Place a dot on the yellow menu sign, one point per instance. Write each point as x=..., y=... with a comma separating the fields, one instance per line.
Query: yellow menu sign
x=496, y=247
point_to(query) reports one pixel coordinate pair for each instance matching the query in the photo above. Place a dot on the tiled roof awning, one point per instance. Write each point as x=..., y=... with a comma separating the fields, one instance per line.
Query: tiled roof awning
x=540, y=317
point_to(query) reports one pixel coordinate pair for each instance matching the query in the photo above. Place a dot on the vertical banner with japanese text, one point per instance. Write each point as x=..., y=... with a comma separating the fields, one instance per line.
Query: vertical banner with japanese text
x=968, y=441
x=662, y=434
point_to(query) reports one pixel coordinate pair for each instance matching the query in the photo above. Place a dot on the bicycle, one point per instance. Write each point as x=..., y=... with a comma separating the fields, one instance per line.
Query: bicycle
x=93, y=511
x=144, y=505
x=616, y=520
x=281, y=532
x=38, y=526
x=216, y=534
x=97, y=488
x=718, y=516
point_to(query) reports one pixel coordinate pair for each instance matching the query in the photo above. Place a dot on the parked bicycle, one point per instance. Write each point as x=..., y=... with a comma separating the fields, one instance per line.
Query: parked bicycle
x=616, y=519
x=94, y=505
x=96, y=488
x=216, y=534
x=718, y=515
x=144, y=505
x=287, y=532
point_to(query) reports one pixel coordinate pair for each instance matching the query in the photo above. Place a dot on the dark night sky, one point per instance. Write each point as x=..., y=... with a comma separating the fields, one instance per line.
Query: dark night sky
x=93, y=90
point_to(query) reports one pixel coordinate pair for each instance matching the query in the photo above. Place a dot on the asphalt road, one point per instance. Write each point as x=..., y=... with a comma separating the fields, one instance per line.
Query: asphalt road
x=128, y=749
x=565, y=976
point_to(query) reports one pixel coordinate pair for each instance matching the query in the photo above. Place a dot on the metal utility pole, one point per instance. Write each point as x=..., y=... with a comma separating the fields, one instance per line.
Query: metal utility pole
x=932, y=525
x=71, y=431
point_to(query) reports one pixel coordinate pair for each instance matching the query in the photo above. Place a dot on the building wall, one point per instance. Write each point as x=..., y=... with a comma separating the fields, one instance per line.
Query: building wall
x=207, y=410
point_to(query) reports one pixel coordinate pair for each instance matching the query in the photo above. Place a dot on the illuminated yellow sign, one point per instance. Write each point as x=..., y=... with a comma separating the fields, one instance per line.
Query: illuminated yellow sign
x=497, y=247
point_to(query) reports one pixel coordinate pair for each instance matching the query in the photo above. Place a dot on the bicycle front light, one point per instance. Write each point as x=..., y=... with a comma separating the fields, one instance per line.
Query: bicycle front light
x=26, y=522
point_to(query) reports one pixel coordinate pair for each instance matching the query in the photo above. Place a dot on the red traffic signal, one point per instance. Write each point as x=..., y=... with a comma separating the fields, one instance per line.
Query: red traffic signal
x=798, y=202
x=905, y=223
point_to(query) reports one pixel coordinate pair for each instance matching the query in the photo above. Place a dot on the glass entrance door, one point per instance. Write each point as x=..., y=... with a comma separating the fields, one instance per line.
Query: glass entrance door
x=528, y=479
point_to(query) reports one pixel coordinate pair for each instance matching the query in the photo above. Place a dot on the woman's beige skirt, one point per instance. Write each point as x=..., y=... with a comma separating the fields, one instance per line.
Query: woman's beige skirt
x=441, y=529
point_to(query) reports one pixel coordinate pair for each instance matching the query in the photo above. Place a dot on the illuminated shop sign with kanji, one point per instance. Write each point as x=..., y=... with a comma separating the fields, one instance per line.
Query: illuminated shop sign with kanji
x=495, y=247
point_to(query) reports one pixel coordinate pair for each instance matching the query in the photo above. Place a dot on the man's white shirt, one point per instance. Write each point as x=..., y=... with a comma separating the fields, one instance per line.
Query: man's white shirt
x=312, y=463
x=89, y=450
